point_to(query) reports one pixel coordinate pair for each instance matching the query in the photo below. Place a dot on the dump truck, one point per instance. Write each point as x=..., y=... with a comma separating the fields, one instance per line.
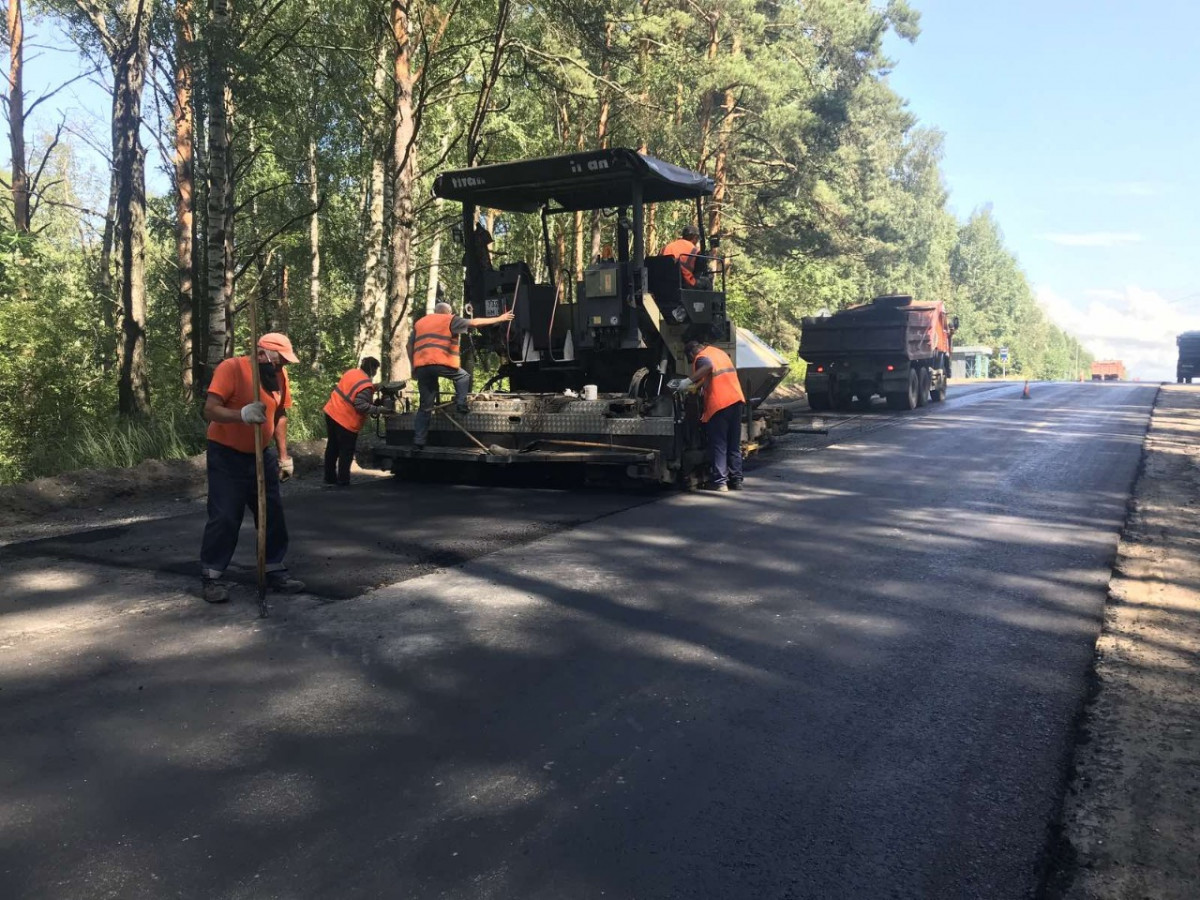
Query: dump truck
x=891, y=346
x=1188, y=365
x=589, y=355
x=1108, y=370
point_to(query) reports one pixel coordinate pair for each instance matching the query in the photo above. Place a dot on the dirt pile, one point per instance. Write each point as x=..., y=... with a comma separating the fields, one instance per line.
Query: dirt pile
x=176, y=479
x=1131, y=820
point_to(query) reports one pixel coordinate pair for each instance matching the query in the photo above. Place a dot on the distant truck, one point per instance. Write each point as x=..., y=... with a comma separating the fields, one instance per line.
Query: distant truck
x=1189, y=357
x=891, y=346
x=1108, y=370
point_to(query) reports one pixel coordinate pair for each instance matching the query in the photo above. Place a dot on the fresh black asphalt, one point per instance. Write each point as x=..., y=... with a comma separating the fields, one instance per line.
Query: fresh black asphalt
x=856, y=679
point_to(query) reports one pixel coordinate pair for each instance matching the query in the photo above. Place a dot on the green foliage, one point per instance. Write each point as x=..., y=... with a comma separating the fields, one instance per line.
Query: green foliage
x=171, y=433
x=829, y=191
x=51, y=380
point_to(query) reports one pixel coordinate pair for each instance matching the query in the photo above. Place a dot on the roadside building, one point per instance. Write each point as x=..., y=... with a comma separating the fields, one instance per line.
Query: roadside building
x=970, y=362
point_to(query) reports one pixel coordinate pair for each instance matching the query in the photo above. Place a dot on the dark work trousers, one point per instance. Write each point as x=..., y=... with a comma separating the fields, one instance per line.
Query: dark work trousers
x=232, y=487
x=724, y=433
x=339, y=451
x=427, y=383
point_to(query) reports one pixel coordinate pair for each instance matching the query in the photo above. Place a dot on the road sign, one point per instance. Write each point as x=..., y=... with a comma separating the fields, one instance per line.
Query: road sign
x=1003, y=354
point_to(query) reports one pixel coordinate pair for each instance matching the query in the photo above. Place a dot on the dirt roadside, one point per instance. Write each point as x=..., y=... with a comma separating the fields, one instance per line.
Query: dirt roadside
x=99, y=497
x=1130, y=826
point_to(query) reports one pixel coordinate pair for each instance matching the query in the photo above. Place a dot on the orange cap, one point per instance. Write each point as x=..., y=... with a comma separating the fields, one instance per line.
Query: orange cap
x=273, y=340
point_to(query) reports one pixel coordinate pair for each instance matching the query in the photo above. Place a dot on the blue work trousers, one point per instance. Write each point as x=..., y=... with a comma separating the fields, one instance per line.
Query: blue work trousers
x=427, y=383
x=232, y=487
x=724, y=434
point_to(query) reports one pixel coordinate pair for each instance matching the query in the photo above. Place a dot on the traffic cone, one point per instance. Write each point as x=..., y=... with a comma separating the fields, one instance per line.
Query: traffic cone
x=1025, y=393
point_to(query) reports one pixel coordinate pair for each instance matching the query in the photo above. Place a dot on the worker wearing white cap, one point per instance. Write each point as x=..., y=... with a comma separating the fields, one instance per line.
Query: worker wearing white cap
x=233, y=412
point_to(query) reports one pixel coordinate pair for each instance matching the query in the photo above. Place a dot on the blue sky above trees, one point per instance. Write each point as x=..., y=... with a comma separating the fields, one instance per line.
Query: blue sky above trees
x=1076, y=120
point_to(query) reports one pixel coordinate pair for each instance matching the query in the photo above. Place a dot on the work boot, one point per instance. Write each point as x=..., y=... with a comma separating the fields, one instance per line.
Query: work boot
x=719, y=488
x=735, y=484
x=280, y=583
x=214, y=591
x=462, y=408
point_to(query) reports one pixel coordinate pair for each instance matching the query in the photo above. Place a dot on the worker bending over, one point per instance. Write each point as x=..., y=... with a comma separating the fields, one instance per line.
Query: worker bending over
x=435, y=355
x=346, y=411
x=232, y=412
x=723, y=406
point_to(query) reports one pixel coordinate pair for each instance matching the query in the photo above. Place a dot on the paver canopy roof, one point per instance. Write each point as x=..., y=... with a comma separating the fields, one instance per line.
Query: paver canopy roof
x=593, y=180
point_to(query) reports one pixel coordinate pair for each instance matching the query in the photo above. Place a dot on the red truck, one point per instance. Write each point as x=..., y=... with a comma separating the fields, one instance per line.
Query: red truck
x=891, y=346
x=1108, y=370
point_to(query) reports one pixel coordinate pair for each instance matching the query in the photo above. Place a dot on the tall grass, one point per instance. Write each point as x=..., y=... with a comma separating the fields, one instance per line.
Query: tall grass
x=175, y=433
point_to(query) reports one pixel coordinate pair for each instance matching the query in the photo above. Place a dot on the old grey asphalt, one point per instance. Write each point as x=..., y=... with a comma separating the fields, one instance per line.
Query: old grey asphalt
x=856, y=679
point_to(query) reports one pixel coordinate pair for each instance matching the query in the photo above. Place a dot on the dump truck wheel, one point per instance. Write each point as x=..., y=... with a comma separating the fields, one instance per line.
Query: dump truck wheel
x=908, y=400
x=819, y=401
x=924, y=386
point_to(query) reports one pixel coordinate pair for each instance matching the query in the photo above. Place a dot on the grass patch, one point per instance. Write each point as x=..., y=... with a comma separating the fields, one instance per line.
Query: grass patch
x=168, y=434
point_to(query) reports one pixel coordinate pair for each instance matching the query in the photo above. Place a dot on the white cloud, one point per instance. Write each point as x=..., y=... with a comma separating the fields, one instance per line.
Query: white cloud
x=1126, y=189
x=1133, y=325
x=1093, y=238
x=1105, y=294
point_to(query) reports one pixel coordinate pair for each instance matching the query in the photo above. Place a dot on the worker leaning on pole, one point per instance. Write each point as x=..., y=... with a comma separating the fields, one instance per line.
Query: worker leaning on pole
x=435, y=355
x=232, y=412
x=349, y=404
x=723, y=407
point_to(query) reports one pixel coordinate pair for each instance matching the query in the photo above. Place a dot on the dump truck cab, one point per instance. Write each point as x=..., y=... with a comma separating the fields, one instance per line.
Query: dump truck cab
x=588, y=355
x=1187, y=366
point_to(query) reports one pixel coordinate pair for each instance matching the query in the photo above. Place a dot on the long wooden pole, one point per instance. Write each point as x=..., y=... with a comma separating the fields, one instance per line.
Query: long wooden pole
x=260, y=476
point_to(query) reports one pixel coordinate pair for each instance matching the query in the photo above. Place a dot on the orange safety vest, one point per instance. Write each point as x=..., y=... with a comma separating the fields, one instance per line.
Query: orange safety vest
x=340, y=406
x=684, y=251
x=433, y=343
x=722, y=388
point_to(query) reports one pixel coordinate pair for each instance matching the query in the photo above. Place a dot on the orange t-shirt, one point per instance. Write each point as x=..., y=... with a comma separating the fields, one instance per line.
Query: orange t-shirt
x=684, y=251
x=232, y=383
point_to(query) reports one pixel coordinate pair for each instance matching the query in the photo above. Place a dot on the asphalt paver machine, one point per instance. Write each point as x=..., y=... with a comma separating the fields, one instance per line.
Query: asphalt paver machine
x=587, y=359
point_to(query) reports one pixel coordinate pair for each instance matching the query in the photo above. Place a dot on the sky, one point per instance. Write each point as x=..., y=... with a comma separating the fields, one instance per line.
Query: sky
x=1077, y=122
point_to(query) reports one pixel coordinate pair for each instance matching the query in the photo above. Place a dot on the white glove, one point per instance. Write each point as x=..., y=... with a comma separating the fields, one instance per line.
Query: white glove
x=286, y=468
x=254, y=413
x=679, y=384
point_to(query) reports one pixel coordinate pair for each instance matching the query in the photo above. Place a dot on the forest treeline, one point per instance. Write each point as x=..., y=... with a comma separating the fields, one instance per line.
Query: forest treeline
x=296, y=141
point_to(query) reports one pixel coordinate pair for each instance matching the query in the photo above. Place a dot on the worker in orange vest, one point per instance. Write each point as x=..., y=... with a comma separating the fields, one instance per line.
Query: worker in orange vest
x=435, y=355
x=350, y=402
x=723, y=406
x=685, y=249
x=233, y=412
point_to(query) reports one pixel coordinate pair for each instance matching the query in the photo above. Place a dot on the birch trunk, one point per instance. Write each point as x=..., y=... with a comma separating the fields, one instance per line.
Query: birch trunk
x=16, y=116
x=314, y=254
x=403, y=164
x=104, y=277
x=373, y=296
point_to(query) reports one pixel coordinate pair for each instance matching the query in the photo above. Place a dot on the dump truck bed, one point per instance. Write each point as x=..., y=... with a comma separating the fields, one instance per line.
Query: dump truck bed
x=912, y=331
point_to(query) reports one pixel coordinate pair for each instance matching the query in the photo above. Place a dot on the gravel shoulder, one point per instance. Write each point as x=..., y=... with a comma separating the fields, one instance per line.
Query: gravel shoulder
x=1131, y=818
